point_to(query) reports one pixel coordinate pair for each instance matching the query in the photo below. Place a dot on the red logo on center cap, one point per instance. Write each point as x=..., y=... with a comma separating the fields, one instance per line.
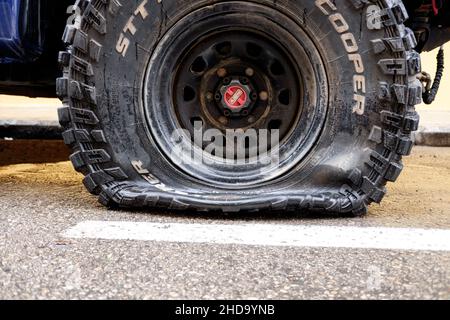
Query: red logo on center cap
x=235, y=97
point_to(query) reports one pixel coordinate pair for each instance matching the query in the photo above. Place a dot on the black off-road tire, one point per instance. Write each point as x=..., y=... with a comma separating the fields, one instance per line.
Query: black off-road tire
x=355, y=153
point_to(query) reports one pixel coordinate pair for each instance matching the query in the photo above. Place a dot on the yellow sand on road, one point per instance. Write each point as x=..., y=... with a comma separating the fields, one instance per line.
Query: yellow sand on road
x=423, y=187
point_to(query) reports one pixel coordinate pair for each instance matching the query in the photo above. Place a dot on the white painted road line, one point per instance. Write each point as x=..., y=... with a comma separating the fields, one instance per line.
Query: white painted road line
x=267, y=235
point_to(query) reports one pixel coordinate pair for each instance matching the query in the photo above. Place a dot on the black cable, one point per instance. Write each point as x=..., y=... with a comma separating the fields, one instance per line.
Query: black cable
x=430, y=95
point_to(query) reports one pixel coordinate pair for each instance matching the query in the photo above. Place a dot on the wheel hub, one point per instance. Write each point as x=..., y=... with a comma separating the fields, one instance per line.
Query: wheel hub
x=235, y=98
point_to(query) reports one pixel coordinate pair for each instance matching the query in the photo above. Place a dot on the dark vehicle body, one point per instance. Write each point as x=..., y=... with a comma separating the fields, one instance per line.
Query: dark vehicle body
x=31, y=30
x=30, y=39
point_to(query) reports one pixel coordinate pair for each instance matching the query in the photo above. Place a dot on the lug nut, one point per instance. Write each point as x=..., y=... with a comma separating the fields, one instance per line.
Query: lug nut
x=263, y=95
x=226, y=80
x=217, y=96
x=223, y=120
x=249, y=72
x=227, y=113
x=222, y=72
x=245, y=113
x=209, y=96
x=254, y=96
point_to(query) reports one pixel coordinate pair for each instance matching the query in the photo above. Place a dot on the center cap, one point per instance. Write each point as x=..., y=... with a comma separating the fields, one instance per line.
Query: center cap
x=235, y=97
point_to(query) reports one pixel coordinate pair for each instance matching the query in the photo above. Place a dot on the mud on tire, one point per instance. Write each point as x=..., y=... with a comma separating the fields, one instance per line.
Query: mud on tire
x=353, y=87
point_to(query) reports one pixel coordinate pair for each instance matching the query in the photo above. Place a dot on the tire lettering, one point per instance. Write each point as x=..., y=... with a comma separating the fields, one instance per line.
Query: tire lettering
x=321, y=5
x=350, y=43
x=130, y=28
x=141, y=10
x=359, y=106
x=341, y=26
x=357, y=61
x=359, y=83
x=122, y=45
x=339, y=23
x=151, y=179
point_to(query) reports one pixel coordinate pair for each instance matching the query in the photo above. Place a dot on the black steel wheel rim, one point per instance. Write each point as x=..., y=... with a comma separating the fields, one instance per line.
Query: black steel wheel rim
x=212, y=51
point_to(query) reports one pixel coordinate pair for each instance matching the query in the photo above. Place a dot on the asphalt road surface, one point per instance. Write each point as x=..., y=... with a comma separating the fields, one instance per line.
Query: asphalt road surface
x=57, y=242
